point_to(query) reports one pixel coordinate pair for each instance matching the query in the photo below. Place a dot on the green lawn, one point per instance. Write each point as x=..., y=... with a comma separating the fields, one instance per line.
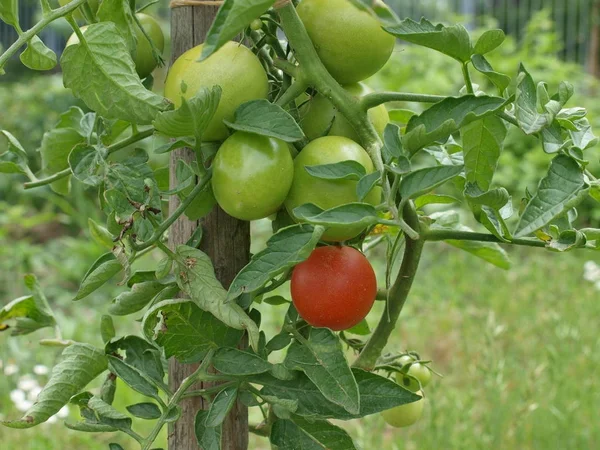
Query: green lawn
x=519, y=351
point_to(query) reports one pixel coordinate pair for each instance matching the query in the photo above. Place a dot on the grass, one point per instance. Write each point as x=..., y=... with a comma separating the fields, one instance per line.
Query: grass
x=518, y=350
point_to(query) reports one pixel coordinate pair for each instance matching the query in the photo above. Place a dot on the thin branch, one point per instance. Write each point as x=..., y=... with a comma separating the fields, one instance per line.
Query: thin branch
x=377, y=98
x=449, y=235
x=467, y=77
x=291, y=94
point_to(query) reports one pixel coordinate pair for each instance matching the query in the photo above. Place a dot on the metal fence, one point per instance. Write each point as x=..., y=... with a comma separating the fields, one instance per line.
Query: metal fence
x=573, y=19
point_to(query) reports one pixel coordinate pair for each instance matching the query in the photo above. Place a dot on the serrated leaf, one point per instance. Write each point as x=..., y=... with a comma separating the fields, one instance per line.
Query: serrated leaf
x=343, y=170
x=286, y=248
x=317, y=434
x=136, y=299
x=453, y=41
x=220, y=406
x=366, y=184
x=488, y=41
x=196, y=277
x=141, y=355
x=232, y=361
x=567, y=240
x=80, y=364
x=482, y=144
x=560, y=190
x=424, y=180
x=37, y=56
x=321, y=358
x=526, y=112
x=147, y=411
x=583, y=137
x=359, y=214
x=392, y=143
x=103, y=269
x=133, y=377
x=208, y=438
x=120, y=13
x=87, y=162
x=377, y=394
x=232, y=18
x=500, y=80
x=109, y=84
x=185, y=331
x=28, y=314
x=429, y=199
x=447, y=117
x=266, y=118
x=107, y=415
x=190, y=119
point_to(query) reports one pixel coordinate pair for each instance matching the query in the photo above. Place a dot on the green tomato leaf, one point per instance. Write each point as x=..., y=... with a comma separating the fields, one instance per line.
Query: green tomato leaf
x=133, y=377
x=366, y=184
x=392, y=143
x=103, y=269
x=100, y=234
x=107, y=328
x=343, y=170
x=500, y=80
x=109, y=85
x=424, y=180
x=447, y=117
x=567, y=240
x=136, y=299
x=361, y=328
x=322, y=359
x=119, y=12
x=453, y=41
x=279, y=342
x=113, y=446
x=208, y=438
x=560, y=190
x=232, y=18
x=488, y=41
x=362, y=214
x=232, y=361
x=196, y=277
x=583, y=136
x=55, y=149
x=220, y=407
x=141, y=355
x=9, y=13
x=190, y=119
x=88, y=163
x=107, y=415
x=377, y=394
x=29, y=316
x=286, y=248
x=14, y=159
x=185, y=331
x=482, y=145
x=266, y=118
x=315, y=434
x=430, y=199
x=80, y=364
x=91, y=427
x=495, y=198
x=37, y=56
x=526, y=104
x=147, y=411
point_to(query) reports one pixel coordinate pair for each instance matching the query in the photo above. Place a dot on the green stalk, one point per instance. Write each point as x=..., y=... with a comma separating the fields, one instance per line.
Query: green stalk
x=449, y=235
x=377, y=98
x=396, y=297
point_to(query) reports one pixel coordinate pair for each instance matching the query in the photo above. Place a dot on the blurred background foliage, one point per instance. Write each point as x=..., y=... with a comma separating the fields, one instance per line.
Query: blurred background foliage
x=517, y=349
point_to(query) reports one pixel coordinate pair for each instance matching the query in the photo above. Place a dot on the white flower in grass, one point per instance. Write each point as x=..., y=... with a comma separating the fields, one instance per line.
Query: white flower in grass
x=10, y=369
x=27, y=383
x=17, y=396
x=591, y=271
x=23, y=405
x=40, y=369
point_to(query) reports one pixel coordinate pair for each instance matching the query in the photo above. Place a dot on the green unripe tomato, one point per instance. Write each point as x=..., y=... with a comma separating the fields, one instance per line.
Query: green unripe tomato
x=256, y=24
x=421, y=373
x=77, y=14
x=404, y=415
x=328, y=194
x=144, y=60
x=405, y=359
x=74, y=39
x=252, y=175
x=407, y=382
x=317, y=115
x=233, y=67
x=349, y=41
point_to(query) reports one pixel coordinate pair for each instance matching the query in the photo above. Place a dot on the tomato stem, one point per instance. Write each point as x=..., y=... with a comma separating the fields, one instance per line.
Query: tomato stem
x=397, y=295
x=377, y=98
x=445, y=235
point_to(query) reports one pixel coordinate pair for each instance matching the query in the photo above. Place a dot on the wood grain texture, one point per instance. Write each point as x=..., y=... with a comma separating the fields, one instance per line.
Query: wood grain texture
x=226, y=240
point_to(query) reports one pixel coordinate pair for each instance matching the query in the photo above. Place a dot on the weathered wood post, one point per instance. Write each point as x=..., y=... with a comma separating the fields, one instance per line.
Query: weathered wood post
x=226, y=240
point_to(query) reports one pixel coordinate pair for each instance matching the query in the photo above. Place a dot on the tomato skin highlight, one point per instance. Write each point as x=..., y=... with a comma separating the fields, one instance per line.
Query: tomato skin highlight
x=334, y=288
x=252, y=175
x=234, y=67
x=350, y=42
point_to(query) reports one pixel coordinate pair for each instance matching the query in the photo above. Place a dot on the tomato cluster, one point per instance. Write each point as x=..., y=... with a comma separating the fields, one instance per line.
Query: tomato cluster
x=255, y=176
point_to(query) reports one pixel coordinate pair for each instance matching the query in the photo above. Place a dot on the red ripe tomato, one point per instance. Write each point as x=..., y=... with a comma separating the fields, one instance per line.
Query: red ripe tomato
x=334, y=288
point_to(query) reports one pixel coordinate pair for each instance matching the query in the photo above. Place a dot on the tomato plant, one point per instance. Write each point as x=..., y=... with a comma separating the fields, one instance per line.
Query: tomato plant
x=234, y=119
x=334, y=288
x=252, y=175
